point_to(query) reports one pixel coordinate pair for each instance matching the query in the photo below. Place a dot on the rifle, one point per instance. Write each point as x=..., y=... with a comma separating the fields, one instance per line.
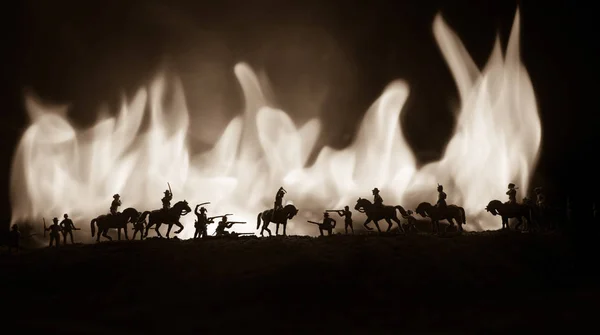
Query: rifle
x=317, y=223
x=338, y=211
x=218, y=216
x=238, y=222
x=245, y=234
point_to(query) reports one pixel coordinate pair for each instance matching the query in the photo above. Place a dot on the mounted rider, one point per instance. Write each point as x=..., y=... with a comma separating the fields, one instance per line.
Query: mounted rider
x=166, y=200
x=115, y=204
x=512, y=194
x=377, y=199
x=441, y=202
x=278, y=202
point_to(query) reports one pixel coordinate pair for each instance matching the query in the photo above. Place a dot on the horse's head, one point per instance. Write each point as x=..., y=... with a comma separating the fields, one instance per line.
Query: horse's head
x=182, y=207
x=423, y=208
x=362, y=204
x=291, y=211
x=493, y=207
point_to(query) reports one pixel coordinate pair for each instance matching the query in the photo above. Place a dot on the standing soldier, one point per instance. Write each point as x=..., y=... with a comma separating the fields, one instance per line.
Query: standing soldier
x=115, y=204
x=67, y=228
x=166, y=200
x=201, y=222
x=540, y=197
x=347, y=214
x=377, y=199
x=512, y=194
x=54, y=232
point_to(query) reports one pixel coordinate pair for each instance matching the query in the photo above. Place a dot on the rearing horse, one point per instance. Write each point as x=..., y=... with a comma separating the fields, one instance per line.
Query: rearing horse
x=118, y=221
x=450, y=213
x=375, y=214
x=281, y=217
x=508, y=211
x=169, y=217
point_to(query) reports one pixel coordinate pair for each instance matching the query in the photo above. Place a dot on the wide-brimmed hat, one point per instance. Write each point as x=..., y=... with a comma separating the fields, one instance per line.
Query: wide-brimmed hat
x=375, y=190
x=325, y=214
x=511, y=185
x=167, y=192
x=116, y=196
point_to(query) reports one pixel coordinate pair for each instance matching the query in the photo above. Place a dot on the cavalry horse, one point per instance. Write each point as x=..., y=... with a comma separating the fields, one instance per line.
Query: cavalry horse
x=375, y=214
x=118, y=221
x=451, y=213
x=169, y=217
x=281, y=217
x=508, y=211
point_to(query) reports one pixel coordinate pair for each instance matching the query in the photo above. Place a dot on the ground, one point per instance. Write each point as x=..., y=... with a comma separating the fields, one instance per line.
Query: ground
x=477, y=282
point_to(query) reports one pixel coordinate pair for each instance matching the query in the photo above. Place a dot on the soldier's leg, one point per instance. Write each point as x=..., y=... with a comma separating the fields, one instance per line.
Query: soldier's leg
x=51, y=240
x=321, y=231
x=71, y=235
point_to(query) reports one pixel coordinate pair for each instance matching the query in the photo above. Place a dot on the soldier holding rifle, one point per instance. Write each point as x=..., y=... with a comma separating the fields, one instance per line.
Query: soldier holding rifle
x=224, y=224
x=347, y=214
x=67, y=228
x=327, y=225
x=54, y=232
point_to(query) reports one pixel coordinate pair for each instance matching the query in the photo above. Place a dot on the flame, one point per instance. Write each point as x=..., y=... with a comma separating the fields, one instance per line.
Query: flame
x=60, y=169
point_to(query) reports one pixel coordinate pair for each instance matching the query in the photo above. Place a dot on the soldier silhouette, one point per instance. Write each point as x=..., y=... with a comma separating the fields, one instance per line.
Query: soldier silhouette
x=166, y=200
x=512, y=194
x=377, y=199
x=54, y=232
x=540, y=197
x=223, y=224
x=201, y=222
x=67, y=228
x=139, y=226
x=115, y=204
x=327, y=225
x=278, y=202
x=347, y=214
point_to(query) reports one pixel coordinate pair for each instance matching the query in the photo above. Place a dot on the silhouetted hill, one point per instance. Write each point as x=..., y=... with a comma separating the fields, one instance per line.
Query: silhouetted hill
x=489, y=282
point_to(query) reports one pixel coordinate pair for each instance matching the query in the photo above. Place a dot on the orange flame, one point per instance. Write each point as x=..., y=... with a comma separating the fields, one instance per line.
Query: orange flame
x=59, y=169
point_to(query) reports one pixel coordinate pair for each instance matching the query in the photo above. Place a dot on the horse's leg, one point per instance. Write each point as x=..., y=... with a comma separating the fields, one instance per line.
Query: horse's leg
x=126, y=233
x=276, y=229
x=157, y=229
x=284, y=228
x=389, y=224
x=105, y=234
x=266, y=227
x=451, y=224
x=395, y=218
x=118, y=233
x=148, y=226
x=169, y=229
x=376, y=222
x=366, y=224
x=178, y=224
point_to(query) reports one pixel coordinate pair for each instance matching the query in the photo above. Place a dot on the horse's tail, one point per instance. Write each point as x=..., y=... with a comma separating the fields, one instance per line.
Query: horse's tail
x=464, y=216
x=93, y=226
x=401, y=210
x=258, y=217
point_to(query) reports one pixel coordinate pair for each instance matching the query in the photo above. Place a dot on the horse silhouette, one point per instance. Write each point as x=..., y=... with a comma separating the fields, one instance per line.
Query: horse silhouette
x=169, y=217
x=508, y=211
x=281, y=217
x=375, y=213
x=436, y=214
x=119, y=221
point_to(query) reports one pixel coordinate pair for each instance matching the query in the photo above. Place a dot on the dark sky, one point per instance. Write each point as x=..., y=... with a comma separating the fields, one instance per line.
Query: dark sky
x=89, y=52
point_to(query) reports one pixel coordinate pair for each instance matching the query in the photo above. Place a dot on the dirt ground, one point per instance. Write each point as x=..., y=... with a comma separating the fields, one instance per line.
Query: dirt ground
x=491, y=282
